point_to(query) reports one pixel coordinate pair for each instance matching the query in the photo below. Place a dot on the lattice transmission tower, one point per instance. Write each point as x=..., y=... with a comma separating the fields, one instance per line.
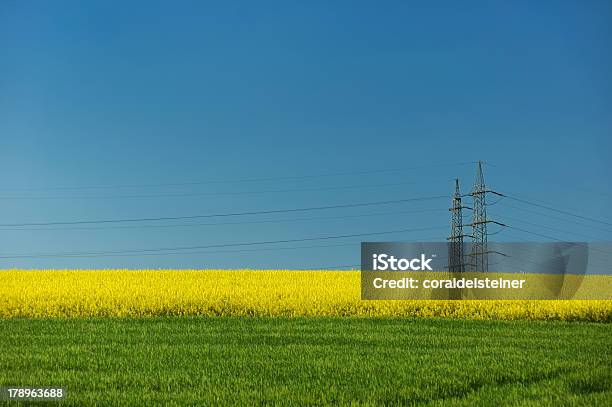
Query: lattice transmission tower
x=456, y=261
x=479, y=253
x=479, y=258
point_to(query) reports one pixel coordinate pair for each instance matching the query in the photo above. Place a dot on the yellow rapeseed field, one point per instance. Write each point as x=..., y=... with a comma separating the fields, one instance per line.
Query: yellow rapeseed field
x=142, y=293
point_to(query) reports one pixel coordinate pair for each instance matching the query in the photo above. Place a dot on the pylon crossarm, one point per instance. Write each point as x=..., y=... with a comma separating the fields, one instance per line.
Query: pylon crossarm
x=488, y=221
x=486, y=191
x=496, y=252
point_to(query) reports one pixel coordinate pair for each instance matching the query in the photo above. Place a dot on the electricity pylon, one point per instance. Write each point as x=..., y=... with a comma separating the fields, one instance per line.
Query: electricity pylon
x=455, y=247
x=479, y=254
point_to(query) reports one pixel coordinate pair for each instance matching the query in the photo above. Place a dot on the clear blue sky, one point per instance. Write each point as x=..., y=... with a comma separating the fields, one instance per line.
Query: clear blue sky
x=115, y=93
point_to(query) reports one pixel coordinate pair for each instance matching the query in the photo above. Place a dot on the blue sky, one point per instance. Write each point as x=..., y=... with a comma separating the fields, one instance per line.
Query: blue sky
x=131, y=93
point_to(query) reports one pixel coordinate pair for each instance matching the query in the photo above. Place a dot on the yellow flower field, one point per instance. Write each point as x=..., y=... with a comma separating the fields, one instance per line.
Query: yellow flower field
x=142, y=293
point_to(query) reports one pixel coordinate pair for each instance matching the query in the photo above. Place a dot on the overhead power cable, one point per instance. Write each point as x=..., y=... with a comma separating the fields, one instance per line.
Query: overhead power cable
x=550, y=228
x=557, y=210
x=258, y=249
x=548, y=215
x=244, y=180
x=553, y=238
x=514, y=170
x=221, y=193
x=597, y=261
x=250, y=222
x=530, y=259
x=216, y=215
x=538, y=234
x=210, y=246
x=349, y=267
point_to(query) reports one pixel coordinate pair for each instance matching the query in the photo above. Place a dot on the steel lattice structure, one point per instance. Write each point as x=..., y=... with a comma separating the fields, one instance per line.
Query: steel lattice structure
x=456, y=261
x=479, y=255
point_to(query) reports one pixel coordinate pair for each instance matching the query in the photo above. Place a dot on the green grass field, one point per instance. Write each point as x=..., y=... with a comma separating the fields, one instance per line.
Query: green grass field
x=310, y=361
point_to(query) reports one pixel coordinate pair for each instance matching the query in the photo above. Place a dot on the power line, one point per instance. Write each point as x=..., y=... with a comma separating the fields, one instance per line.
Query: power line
x=557, y=210
x=547, y=179
x=553, y=238
x=550, y=228
x=187, y=253
x=259, y=249
x=530, y=259
x=591, y=258
x=575, y=222
x=221, y=193
x=225, y=223
x=236, y=181
x=162, y=218
x=96, y=253
x=537, y=234
x=350, y=267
